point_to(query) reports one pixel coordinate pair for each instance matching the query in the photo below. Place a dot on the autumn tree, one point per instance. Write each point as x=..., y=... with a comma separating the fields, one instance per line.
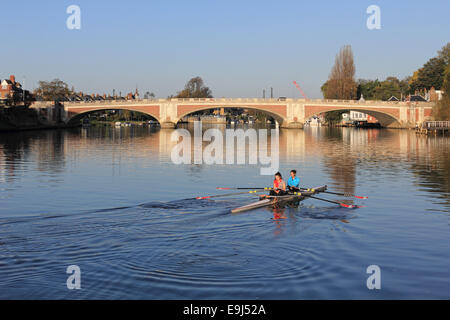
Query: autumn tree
x=444, y=54
x=442, y=109
x=53, y=90
x=195, y=88
x=341, y=83
x=432, y=73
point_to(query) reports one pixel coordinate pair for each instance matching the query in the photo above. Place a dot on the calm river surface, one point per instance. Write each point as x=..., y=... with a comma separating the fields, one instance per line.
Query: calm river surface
x=111, y=201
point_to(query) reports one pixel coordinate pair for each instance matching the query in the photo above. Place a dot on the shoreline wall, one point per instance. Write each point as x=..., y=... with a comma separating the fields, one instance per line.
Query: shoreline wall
x=23, y=118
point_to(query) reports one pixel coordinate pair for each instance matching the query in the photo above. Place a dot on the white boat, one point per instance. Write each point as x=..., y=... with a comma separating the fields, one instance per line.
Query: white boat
x=315, y=122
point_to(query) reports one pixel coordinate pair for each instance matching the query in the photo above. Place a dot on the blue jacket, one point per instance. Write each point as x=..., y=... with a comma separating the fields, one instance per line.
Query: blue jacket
x=294, y=182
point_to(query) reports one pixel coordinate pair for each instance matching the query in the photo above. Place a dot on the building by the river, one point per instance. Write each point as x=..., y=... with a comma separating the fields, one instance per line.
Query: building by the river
x=12, y=93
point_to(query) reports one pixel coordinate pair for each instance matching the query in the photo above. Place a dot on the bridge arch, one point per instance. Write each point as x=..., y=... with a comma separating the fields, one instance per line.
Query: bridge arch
x=279, y=115
x=75, y=115
x=387, y=117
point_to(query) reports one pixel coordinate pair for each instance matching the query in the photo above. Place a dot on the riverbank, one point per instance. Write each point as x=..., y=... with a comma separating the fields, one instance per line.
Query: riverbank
x=24, y=118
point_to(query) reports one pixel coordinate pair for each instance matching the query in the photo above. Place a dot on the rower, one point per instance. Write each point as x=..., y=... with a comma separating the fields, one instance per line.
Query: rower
x=279, y=186
x=294, y=182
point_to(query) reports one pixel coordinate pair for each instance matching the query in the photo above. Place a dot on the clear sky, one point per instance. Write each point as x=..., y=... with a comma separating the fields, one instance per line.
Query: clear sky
x=238, y=47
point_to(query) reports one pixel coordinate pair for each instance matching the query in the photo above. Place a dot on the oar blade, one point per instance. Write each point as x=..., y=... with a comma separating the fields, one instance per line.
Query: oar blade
x=350, y=206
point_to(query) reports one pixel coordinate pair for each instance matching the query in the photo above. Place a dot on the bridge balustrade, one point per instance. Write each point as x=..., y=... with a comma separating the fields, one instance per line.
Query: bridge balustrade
x=437, y=124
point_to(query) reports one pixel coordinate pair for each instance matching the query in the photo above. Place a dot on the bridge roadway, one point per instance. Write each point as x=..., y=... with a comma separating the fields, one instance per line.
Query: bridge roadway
x=290, y=113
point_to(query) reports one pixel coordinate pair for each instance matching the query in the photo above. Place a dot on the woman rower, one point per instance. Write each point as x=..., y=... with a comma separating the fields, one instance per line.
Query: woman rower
x=279, y=186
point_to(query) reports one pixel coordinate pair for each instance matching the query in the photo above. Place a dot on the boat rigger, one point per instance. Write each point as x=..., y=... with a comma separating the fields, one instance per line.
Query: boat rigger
x=280, y=200
x=274, y=199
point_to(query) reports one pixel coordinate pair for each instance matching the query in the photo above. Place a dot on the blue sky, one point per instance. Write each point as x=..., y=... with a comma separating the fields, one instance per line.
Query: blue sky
x=238, y=47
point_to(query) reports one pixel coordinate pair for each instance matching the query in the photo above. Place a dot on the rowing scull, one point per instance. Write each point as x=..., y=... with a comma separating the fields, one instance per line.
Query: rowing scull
x=273, y=200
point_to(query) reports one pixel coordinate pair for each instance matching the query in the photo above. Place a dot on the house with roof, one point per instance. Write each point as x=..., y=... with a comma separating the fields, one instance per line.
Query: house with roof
x=75, y=98
x=9, y=88
x=87, y=98
x=11, y=92
x=394, y=98
x=417, y=98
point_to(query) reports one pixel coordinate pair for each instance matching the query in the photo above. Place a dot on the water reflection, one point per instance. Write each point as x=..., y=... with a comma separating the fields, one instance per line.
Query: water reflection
x=111, y=200
x=20, y=151
x=345, y=153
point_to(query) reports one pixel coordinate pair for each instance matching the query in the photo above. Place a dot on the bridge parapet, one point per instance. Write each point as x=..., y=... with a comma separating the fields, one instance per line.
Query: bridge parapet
x=290, y=113
x=249, y=100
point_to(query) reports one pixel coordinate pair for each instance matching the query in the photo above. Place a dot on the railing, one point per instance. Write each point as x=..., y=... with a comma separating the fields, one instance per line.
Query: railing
x=246, y=100
x=437, y=124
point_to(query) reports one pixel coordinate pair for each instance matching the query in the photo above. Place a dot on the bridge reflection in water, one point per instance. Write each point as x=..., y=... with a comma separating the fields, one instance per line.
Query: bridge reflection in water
x=347, y=156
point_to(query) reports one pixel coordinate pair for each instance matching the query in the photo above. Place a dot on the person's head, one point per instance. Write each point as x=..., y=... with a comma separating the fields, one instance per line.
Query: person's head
x=293, y=173
x=278, y=176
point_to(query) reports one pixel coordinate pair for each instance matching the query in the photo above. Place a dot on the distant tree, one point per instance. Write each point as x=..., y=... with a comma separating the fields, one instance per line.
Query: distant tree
x=382, y=90
x=432, y=73
x=341, y=83
x=404, y=86
x=387, y=88
x=334, y=117
x=53, y=91
x=413, y=81
x=126, y=115
x=442, y=109
x=324, y=88
x=444, y=54
x=149, y=95
x=366, y=88
x=195, y=88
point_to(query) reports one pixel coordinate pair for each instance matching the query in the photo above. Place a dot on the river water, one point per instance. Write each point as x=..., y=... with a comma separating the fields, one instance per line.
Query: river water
x=111, y=201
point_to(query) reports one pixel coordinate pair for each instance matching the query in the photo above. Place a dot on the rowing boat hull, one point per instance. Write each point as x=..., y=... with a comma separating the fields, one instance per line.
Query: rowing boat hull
x=254, y=205
x=273, y=200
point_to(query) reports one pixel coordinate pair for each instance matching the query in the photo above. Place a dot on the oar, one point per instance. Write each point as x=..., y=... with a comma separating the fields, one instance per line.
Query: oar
x=329, y=192
x=347, y=195
x=341, y=194
x=265, y=188
x=228, y=194
x=350, y=206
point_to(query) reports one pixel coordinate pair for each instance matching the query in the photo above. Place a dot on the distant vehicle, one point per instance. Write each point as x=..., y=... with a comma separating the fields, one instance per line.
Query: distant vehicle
x=282, y=99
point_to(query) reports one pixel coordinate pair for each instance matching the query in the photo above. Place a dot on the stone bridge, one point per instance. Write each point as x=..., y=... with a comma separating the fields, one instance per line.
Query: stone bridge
x=290, y=113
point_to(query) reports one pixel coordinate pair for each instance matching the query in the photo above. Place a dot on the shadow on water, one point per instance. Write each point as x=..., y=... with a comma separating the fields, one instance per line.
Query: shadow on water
x=330, y=213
